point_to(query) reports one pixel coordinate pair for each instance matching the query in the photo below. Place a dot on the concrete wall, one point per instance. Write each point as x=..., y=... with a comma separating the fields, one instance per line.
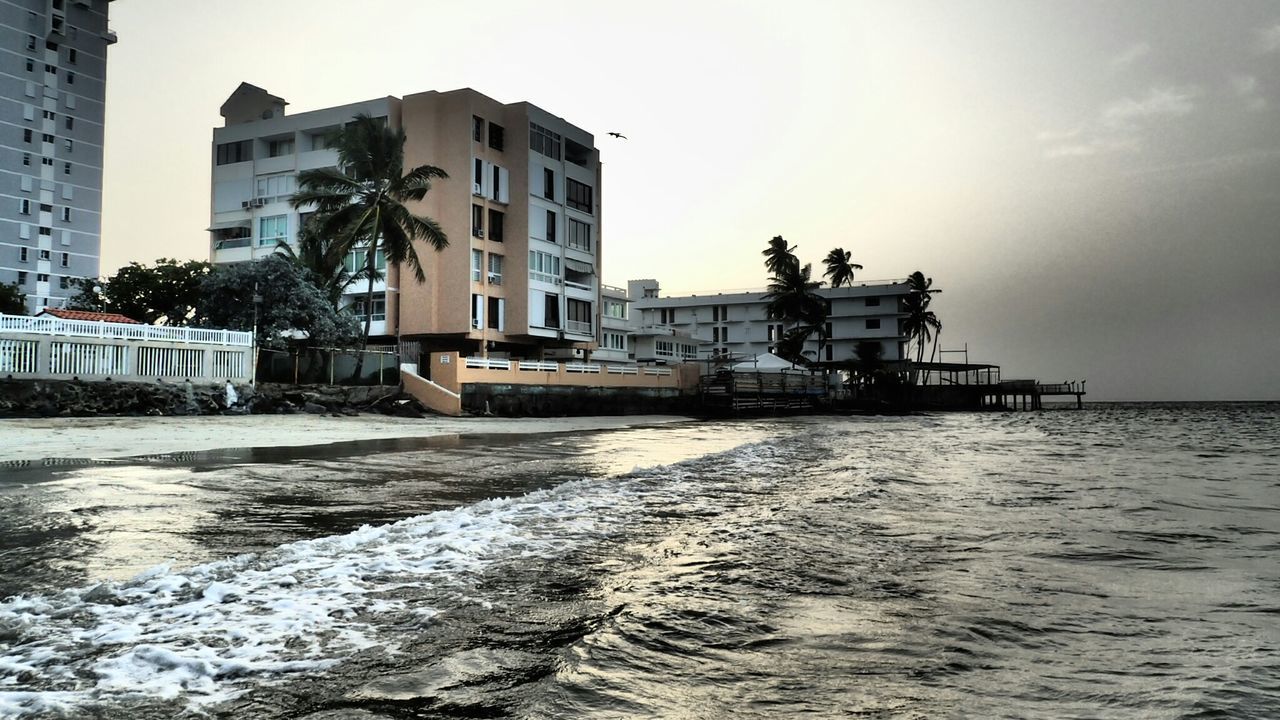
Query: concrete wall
x=36, y=356
x=449, y=370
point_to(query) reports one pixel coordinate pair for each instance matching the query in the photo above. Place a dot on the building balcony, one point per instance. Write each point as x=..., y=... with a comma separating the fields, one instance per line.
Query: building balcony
x=578, y=327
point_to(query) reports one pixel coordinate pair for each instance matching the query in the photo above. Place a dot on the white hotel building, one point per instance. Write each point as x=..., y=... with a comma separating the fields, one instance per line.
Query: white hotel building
x=738, y=324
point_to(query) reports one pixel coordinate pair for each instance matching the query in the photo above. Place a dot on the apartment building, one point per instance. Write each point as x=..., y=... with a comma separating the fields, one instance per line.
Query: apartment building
x=521, y=208
x=738, y=323
x=52, y=92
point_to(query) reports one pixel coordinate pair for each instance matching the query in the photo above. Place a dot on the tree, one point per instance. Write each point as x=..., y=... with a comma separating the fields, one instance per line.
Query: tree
x=779, y=256
x=922, y=287
x=291, y=304
x=921, y=323
x=793, y=298
x=320, y=256
x=840, y=267
x=361, y=202
x=12, y=300
x=166, y=294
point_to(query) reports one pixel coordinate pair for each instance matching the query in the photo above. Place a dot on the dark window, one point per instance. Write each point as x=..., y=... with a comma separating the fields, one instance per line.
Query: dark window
x=71, y=78
x=24, y=207
x=578, y=195
x=495, y=225
x=827, y=330
x=542, y=140
x=234, y=152
x=46, y=231
x=66, y=168
x=71, y=56
x=31, y=42
x=31, y=66
x=26, y=158
x=46, y=161
x=44, y=254
x=63, y=281
x=494, y=304
x=551, y=311
x=477, y=221
x=42, y=277
x=873, y=301
x=22, y=254
x=45, y=208
x=71, y=123
x=47, y=137
x=830, y=353
x=478, y=176
x=51, y=45
x=51, y=69
x=496, y=136
x=551, y=226
x=22, y=277
x=26, y=135
x=549, y=183
x=477, y=128
x=873, y=323
x=66, y=259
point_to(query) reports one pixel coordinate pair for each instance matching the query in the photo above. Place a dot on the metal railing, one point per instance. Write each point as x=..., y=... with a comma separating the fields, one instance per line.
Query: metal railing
x=578, y=326
x=48, y=325
x=483, y=363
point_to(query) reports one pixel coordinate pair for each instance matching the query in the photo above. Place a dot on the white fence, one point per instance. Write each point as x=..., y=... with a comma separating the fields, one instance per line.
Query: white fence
x=52, y=348
x=49, y=325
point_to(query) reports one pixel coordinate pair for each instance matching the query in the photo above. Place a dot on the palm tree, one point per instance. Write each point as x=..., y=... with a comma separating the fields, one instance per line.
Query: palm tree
x=779, y=256
x=793, y=297
x=920, y=323
x=923, y=287
x=839, y=267
x=361, y=203
x=319, y=254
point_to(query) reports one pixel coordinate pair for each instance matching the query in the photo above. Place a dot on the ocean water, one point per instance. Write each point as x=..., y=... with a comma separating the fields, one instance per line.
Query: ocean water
x=1122, y=561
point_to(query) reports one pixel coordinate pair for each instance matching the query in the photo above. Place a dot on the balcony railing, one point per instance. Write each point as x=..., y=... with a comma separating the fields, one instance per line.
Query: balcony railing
x=578, y=326
x=47, y=325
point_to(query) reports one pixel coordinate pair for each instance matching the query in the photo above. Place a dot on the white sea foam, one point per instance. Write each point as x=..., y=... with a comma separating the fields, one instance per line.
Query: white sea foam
x=204, y=633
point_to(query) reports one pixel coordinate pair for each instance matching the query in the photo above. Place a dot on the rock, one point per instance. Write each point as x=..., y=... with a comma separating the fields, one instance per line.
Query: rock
x=314, y=408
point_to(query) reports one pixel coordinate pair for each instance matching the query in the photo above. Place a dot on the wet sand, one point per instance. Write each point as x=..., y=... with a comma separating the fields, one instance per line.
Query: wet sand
x=31, y=439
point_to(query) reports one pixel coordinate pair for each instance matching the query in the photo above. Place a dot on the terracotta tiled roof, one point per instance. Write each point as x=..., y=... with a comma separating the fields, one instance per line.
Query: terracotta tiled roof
x=86, y=315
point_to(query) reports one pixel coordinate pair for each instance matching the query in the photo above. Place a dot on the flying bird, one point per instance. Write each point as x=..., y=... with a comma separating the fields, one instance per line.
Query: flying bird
x=618, y=135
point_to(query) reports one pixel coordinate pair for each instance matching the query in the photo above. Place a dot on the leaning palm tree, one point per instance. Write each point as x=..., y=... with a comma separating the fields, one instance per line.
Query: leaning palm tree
x=779, y=256
x=319, y=255
x=361, y=202
x=923, y=287
x=920, y=323
x=840, y=267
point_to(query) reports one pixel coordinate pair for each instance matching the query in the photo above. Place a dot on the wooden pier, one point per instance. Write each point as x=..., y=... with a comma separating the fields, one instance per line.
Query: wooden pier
x=1029, y=393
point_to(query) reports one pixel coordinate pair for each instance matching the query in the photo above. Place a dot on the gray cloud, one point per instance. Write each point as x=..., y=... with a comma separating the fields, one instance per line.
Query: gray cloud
x=1119, y=125
x=1268, y=39
x=1246, y=88
x=1131, y=54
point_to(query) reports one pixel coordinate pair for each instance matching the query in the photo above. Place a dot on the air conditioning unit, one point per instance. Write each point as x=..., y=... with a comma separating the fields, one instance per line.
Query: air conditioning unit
x=475, y=323
x=477, y=190
x=495, y=278
x=477, y=232
x=259, y=202
x=245, y=204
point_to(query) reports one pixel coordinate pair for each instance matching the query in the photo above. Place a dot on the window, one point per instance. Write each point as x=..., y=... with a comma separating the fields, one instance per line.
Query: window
x=46, y=231
x=577, y=154
x=71, y=56
x=66, y=260
x=667, y=316
x=42, y=277
x=477, y=264
x=495, y=269
x=48, y=115
x=68, y=144
x=22, y=277
x=873, y=301
x=544, y=267
x=46, y=161
x=51, y=45
x=64, y=282
x=26, y=159
x=578, y=195
x=70, y=123
x=319, y=141
x=31, y=42
x=549, y=183
x=66, y=214
x=579, y=235
x=551, y=226
x=550, y=310
x=477, y=221
x=615, y=341
x=234, y=152
x=873, y=323
x=477, y=178
x=578, y=313
x=24, y=207
x=495, y=224
x=715, y=334
x=66, y=168
x=273, y=229
x=496, y=136
x=477, y=128
x=71, y=78
x=52, y=69
x=23, y=254
x=720, y=313
x=830, y=353
x=664, y=348
x=47, y=137
x=274, y=186
x=724, y=334
x=477, y=311
x=615, y=309
x=279, y=148
x=358, y=260
x=379, y=313
x=26, y=135
x=543, y=141
x=31, y=66
x=496, y=312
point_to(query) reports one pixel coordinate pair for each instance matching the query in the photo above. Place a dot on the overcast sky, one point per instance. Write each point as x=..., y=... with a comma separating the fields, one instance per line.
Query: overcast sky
x=1094, y=185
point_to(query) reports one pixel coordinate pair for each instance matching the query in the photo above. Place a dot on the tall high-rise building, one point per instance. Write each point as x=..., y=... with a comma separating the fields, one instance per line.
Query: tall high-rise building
x=521, y=208
x=53, y=74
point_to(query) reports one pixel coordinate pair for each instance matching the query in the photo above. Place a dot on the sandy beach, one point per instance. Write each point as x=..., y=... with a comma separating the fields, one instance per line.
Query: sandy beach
x=116, y=437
